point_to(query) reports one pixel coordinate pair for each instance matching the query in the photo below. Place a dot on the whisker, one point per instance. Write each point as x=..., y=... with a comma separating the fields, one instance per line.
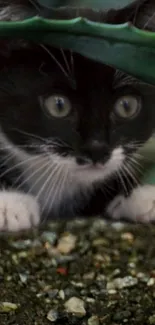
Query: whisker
x=137, y=169
x=57, y=186
x=122, y=181
x=51, y=188
x=58, y=143
x=66, y=62
x=18, y=165
x=29, y=134
x=135, y=159
x=34, y=4
x=106, y=188
x=33, y=174
x=72, y=63
x=149, y=21
x=135, y=144
x=130, y=171
x=126, y=175
x=143, y=158
x=53, y=171
x=6, y=159
x=54, y=58
x=25, y=171
x=49, y=193
x=136, y=163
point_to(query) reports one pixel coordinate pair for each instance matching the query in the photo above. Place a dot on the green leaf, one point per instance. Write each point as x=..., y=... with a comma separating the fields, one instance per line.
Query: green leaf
x=123, y=46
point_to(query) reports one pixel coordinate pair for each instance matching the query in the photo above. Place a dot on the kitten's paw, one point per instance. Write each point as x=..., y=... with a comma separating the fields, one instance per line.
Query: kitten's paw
x=18, y=211
x=139, y=207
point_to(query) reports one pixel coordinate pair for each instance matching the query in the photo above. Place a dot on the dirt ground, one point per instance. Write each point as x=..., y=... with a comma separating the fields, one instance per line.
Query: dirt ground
x=79, y=273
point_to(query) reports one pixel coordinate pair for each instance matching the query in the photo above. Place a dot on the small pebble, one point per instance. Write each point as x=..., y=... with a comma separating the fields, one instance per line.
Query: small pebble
x=62, y=294
x=143, y=277
x=112, y=292
x=94, y=320
x=6, y=307
x=118, y=226
x=128, y=237
x=152, y=320
x=22, y=244
x=101, y=278
x=66, y=243
x=52, y=315
x=89, y=276
x=115, y=273
x=49, y=236
x=120, y=283
x=102, y=258
x=151, y=282
x=77, y=284
x=99, y=224
x=75, y=306
x=90, y=300
x=140, y=275
x=99, y=242
x=132, y=265
x=23, y=278
x=52, y=293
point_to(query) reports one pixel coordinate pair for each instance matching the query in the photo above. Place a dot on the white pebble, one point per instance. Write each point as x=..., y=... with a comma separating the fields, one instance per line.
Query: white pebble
x=75, y=306
x=66, y=243
x=52, y=315
x=120, y=283
x=93, y=320
x=151, y=282
x=62, y=294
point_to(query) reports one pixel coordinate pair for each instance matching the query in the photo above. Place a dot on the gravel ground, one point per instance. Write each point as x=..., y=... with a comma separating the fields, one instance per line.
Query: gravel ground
x=79, y=273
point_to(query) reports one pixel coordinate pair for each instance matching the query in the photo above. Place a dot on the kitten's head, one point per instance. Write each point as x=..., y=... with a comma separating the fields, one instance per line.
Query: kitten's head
x=79, y=114
x=69, y=123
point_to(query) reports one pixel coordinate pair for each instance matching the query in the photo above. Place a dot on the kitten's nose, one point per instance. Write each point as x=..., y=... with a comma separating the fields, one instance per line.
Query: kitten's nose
x=94, y=151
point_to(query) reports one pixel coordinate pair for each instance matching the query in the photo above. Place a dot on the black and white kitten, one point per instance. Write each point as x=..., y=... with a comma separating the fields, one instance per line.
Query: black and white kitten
x=69, y=131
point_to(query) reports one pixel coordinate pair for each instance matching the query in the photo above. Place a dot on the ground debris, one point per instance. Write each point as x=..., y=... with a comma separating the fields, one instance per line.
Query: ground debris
x=104, y=272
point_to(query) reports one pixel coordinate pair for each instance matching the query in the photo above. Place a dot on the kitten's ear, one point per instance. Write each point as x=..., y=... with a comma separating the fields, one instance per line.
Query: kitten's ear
x=145, y=18
x=17, y=10
x=112, y=16
x=141, y=13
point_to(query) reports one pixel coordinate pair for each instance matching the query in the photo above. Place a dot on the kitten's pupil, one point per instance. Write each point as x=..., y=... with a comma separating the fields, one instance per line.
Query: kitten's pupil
x=126, y=105
x=57, y=106
x=59, y=103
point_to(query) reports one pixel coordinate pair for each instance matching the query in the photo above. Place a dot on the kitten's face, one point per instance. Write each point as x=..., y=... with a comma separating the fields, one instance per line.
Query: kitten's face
x=90, y=125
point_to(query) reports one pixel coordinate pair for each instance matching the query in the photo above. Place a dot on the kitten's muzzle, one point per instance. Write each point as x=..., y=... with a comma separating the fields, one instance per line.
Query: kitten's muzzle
x=93, y=152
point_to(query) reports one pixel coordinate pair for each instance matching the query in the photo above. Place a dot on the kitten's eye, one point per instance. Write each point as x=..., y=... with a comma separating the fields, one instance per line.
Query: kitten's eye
x=58, y=105
x=127, y=106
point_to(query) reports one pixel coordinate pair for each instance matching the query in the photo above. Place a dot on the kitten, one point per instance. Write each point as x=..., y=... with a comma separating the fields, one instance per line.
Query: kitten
x=69, y=131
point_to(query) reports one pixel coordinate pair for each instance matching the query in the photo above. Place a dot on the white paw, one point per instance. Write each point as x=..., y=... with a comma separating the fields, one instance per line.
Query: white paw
x=138, y=207
x=18, y=211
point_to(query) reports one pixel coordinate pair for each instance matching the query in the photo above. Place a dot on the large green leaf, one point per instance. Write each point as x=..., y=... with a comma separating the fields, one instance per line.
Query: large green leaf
x=122, y=46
